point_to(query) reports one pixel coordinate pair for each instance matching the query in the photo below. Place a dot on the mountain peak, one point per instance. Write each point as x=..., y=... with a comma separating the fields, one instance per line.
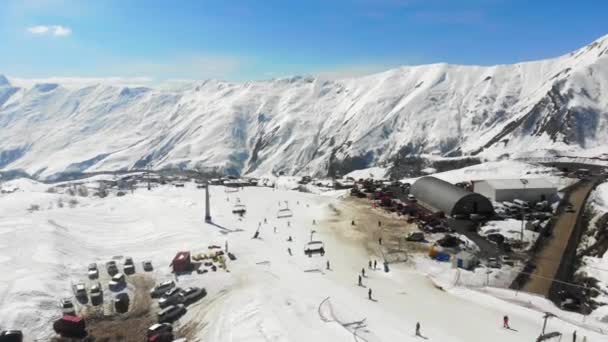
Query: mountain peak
x=3, y=80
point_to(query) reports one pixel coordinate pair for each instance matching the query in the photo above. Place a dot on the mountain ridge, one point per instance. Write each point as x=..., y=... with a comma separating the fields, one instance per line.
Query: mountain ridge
x=304, y=125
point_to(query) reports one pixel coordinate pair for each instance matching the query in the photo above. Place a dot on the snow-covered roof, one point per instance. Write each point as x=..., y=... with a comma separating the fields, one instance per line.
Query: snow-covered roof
x=528, y=183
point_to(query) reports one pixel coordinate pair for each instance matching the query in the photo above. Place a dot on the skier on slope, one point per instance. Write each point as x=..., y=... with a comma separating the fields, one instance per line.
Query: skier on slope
x=289, y=251
x=327, y=264
x=505, y=322
x=360, y=281
x=370, y=264
x=375, y=264
x=418, y=329
x=363, y=271
x=369, y=293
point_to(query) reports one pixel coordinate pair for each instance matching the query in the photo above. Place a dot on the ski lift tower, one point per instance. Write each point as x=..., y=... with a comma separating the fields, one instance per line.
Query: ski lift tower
x=207, y=207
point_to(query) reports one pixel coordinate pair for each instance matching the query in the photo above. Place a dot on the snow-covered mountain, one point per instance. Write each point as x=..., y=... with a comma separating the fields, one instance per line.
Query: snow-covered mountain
x=301, y=124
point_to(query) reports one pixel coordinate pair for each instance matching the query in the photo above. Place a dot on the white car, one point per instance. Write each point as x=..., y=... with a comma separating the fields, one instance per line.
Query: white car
x=314, y=247
x=67, y=307
x=93, y=272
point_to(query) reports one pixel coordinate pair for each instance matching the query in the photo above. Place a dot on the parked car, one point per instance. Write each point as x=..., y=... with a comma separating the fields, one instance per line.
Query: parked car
x=121, y=302
x=147, y=266
x=314, y=247
x=80, y=290
x=111, y=267
x=415, y=237
x=161, y=288
x=159, y=328
x=118, y=282
x=67, y=307
x=11, y=336
x=191, y=295
x=93, y=272
x=493, y=263
x=171, y=313
x=71, y=327
x=506, y=260
x=96, y=294
x=129, y=267
x=171, y=297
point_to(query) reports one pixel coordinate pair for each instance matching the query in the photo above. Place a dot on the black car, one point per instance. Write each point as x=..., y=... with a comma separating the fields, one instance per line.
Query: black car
x=171, y=313
x=171, y=297
x=129, y=267
x=159, y=328
x=11, y=336
x=161, y=288
x=121, y=302
x=111, y=267
x=147, y=266
x=192, y=294
x=96, y=294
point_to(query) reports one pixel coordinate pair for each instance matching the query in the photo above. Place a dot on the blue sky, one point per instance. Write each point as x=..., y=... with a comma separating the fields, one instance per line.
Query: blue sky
x=260, y=39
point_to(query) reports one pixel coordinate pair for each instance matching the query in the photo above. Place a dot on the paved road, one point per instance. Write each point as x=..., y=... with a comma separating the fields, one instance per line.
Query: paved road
x=549, y=258
x=487, y=248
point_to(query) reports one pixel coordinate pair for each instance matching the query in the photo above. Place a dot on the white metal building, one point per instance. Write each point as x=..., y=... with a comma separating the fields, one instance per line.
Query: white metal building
x=530, y=190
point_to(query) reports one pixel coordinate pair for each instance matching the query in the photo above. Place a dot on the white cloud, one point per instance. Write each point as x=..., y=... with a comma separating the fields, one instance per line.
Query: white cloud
x=40, y=29
x=61, y=31
x=54, y=30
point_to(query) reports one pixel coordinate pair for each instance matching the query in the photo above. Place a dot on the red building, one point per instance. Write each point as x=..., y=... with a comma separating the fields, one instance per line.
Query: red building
x=181, y=262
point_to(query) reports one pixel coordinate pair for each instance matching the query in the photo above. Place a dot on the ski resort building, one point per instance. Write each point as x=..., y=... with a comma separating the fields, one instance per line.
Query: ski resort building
x=529, y=190
x=452, y=200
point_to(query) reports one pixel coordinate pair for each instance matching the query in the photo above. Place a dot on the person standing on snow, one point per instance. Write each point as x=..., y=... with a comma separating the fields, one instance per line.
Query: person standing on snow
x=360, y=281
x=375, y=263
x=505, y=322
x=327, y=264
x=418, y=329
x=370, y=264
x=369, y=293
x=380, y=241
x=289, y=250
x=574, y=336
x=363, y=271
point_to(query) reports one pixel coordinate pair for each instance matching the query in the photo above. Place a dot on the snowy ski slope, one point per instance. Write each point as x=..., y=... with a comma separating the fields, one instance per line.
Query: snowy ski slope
x=266, y=296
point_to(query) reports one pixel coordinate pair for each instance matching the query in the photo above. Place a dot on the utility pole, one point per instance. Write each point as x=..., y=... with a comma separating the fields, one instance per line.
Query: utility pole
x=207, y=206
x=523, y=215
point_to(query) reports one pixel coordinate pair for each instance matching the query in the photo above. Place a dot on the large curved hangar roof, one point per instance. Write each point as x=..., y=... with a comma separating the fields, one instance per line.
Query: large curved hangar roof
x=449, y=198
